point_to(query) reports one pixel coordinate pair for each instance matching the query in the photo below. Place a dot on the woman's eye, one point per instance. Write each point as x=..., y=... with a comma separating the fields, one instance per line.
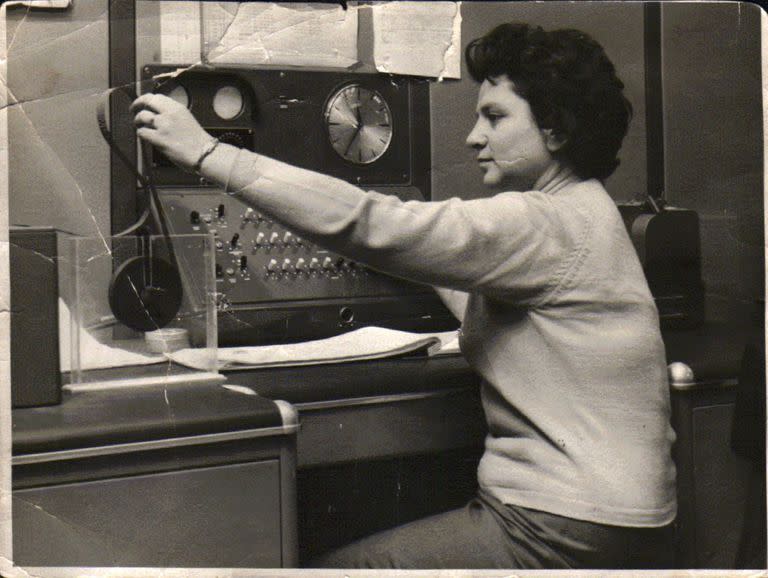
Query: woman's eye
x=493, y=117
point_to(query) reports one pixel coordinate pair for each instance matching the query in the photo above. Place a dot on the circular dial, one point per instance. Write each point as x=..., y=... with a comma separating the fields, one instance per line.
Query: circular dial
x=359, y=124
x=228, y=102
x=180, y=95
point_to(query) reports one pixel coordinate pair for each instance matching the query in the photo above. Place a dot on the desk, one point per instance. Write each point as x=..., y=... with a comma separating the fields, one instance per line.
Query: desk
x=391, y=414
x=234, y=474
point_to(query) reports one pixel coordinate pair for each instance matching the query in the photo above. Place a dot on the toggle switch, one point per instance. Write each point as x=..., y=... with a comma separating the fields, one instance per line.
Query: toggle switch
x=220, y=211
x=235, y=239
x=194, y=218
x=219, y=271
x=243, y=263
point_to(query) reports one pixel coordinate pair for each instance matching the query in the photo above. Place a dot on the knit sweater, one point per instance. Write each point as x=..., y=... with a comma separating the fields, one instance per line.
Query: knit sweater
x=556, y=318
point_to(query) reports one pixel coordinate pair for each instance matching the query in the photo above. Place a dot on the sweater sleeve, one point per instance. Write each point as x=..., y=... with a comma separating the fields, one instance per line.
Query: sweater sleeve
x=511, y=246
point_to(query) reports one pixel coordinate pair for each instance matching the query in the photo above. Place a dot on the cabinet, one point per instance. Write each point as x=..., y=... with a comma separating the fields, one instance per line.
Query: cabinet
x=212, y=486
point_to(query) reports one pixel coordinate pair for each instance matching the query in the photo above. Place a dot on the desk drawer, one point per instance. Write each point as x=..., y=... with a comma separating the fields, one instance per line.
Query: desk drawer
x=225, y=516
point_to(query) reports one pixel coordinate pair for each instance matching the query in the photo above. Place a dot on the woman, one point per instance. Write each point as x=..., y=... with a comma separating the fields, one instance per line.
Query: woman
x=556, y=314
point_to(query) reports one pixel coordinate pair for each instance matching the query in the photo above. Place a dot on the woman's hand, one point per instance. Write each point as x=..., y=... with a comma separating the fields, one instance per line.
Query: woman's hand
x=171, y=128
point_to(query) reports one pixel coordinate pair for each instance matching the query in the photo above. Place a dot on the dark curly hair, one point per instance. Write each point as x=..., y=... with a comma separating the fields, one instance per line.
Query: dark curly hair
x=570, y=85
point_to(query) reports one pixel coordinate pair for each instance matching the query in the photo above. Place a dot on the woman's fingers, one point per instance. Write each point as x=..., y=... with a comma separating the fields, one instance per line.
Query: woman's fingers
x=144, y=118
x=150, y=136
x=158, y=103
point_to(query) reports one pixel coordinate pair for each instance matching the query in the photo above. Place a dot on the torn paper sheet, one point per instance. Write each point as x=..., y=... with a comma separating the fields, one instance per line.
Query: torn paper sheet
x=296, y=34
x=417, y=38
x=180, y=32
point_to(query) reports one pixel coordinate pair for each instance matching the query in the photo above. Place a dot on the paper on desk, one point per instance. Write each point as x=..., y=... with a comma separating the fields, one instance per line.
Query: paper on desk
x=95, y=354
x=417, y=38
x=359, y=345
x=180, y=37
x=448, y=345
x=300, y=34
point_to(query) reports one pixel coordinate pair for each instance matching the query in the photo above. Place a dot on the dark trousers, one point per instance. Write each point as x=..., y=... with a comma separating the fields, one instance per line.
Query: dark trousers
x=488, y=534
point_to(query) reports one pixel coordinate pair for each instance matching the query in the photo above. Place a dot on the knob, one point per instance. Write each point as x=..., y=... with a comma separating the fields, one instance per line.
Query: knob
x=230, y=271
x=314, y=264
x=259, y=240
x=287, y=238
x=273, y=238
x=298, y=241
x=220, y=210
x=287, y=266
x=248, y=215
x=327, y=263
x=219, y=244
x=272, y=266
x=300, y=263
x=243, y=263
x=235, y=239
x=194, y=218
x=207, y=218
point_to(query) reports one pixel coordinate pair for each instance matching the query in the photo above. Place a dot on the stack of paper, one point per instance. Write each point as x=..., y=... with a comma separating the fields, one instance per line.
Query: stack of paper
x=359, y=345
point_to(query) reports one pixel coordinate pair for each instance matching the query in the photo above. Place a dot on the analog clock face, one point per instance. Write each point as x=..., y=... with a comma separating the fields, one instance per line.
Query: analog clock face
x=359, y=124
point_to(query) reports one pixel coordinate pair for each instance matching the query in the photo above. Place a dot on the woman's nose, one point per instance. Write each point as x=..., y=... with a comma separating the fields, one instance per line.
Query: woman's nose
x=475, y=138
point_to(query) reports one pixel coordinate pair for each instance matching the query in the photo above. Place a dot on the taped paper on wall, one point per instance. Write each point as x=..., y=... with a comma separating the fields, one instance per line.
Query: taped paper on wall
x=418, y=38
x=180, y=35
x=301, y=34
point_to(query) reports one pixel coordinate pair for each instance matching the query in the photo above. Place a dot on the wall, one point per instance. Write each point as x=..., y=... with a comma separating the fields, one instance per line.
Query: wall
x=59, y=163
x=714, y=142
x=617, y=26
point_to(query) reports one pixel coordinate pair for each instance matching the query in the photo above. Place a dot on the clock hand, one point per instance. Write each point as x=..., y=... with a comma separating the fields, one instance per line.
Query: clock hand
x=352, y=140
x=358, y=116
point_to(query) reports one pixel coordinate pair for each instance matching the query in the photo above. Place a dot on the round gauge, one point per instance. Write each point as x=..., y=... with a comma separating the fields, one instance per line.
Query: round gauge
x=180, y=95
x=228, y=102
x=359, y=124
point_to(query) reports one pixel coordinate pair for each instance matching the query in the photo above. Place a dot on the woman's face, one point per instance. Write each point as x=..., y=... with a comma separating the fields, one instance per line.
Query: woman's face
x=513, y=152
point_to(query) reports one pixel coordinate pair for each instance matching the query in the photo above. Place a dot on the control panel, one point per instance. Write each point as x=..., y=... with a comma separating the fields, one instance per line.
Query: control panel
x=264, y=270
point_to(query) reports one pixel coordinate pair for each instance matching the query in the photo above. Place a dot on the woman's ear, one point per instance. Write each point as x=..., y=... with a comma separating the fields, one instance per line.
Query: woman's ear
x=553, y=141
